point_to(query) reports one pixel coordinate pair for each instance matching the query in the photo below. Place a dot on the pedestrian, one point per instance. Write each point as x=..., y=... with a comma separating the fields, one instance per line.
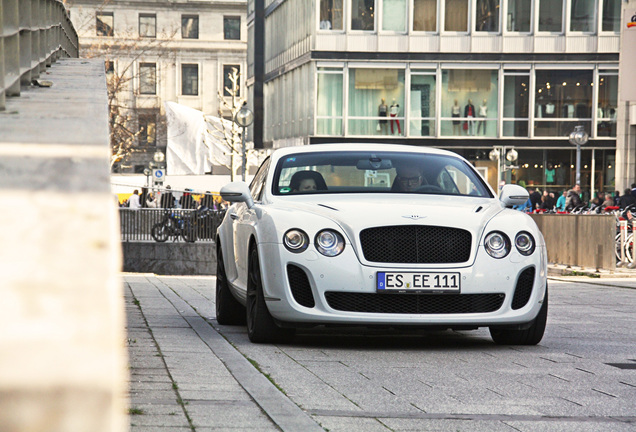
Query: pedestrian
x=167, y=199
x=535, y=197
x=617, y=198
x=627, y=199
x=186, y=201
x=633, y=191
x=573, y=198
x=609, y=202
x=151, y=202
x=133, y=201
x=560, y=205
x=207, y=202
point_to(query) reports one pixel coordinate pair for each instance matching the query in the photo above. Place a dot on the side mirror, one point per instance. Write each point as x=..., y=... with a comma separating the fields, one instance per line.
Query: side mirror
x=512, y=195
x=237, y=192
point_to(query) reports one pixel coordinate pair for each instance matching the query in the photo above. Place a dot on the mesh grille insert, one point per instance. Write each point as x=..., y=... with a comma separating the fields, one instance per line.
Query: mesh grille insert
x=300, y=288
x=414, y=303
x=416, y=244
x=523, y=289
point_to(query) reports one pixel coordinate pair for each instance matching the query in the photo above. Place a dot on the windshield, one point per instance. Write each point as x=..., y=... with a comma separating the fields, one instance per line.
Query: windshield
x=376, y=172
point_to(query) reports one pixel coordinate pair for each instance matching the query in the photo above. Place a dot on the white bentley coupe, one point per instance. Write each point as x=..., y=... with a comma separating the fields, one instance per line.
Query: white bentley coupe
x=360, y=234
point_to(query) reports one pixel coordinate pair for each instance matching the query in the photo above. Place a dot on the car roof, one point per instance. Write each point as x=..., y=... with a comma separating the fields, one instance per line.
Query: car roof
x=337, y=147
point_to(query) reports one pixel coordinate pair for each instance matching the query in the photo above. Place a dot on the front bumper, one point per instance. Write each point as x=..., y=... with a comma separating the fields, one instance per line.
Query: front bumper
x=344, y=276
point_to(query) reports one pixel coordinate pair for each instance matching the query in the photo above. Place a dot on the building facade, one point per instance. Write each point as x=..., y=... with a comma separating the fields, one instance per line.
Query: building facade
x=479, y=77
x=162, y=50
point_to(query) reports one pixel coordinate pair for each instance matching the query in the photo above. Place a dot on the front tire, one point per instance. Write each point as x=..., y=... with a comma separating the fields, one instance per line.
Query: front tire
x=228, y=310
x=530, y=336
x=160, y=232
x=261, y=327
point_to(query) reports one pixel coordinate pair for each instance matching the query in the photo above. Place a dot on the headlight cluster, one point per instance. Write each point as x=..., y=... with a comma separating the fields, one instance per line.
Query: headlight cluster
x=328, y=242
x=498, y=244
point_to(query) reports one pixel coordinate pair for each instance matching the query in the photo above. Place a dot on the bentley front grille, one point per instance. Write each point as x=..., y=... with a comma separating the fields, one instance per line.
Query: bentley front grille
x=416, y=244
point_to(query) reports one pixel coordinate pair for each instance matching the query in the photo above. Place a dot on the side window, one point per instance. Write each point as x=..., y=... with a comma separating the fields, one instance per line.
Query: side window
x=258, y=183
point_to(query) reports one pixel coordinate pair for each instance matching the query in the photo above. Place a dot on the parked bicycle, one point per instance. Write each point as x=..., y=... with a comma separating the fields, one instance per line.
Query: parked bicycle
x=174, y=225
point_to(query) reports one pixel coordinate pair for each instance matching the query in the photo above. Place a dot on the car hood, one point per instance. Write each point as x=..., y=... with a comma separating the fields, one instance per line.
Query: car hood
x=354, y=214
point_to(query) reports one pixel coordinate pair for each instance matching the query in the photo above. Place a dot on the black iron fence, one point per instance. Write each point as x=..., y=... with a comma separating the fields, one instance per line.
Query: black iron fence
x=149, y=224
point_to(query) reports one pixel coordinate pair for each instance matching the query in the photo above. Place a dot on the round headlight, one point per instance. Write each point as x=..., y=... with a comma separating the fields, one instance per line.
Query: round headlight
x=497, y=244
x=524, y=242
x=295, y=240
x=329, y=243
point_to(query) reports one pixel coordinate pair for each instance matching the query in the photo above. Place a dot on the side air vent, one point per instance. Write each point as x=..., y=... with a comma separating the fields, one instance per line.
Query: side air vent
x=300, y=288
x=523, y=289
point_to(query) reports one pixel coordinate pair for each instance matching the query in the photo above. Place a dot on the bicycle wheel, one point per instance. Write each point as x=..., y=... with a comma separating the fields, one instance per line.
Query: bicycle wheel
x=160, y=232
x=189, y=232
x=629, y=248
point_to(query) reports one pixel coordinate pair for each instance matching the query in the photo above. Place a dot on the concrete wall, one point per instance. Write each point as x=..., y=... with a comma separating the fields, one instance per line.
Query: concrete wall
x=579, y=240
x=170, y=258
x=63, y=363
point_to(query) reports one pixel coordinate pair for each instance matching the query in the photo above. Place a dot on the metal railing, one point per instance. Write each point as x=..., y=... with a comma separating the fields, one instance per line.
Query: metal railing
x=136, y=225
x=33, y=35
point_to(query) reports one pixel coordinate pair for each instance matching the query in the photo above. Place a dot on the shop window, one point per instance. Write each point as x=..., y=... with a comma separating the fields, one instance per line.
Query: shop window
x=563, y=99
x=363, y=15
x=148, y=25
x=516, y=97
x=456, y=16
x=329, y=101
x=519, y=16
x=469, y=103
x=583, y=16
x=109, y=68
x=611, y=15
x=422, y=110
x=232, y=28
x=189, y=79
x=190, y=26
x=104, y=24
x=147, y=78
x=607, y=105
x=551, y=16
x=228, y=70
x=487, y=16
x=376, y=102
x=331, y=15
x=394, y=13
x=425, y=15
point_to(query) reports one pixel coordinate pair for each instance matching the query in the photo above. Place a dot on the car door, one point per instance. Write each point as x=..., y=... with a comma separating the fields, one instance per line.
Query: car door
x=244, y=223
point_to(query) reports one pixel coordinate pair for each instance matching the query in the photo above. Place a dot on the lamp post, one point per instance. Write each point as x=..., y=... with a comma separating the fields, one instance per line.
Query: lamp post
x=497, y=154
x=244, y=117
x=147, y=173
x=578, y=137
x=156, y=165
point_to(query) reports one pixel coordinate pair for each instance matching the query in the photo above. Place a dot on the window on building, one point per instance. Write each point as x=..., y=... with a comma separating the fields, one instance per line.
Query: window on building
x=330, y=100
x=104, y=23
x=469, y=102
x=109, y=68
x=519, y=16
x=148, y=25
x=189, y=79
x=363, y=15
x=607, y=104
x=228, y=70
x=611, y=15
x=456, y=16
x=331, y=15
x=190, y=26
x=487, y=16
x=516, y=100
x=563, y=99
x=148, y=129
x=422, y=111
x=394, y=14
x=551, y=16
x=148, y=78
x=376, y=102
x=583, y=16
x=425, y=15
x=232, y=28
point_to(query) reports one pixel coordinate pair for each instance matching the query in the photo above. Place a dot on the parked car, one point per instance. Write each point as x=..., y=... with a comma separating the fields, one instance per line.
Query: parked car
x=352, y=234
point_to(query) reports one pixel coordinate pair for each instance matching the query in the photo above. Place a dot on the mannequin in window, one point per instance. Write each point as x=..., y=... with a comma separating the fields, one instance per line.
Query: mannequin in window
x=483, y=113
x=393, y=113
x=469, y=113
x=382, y=112
x=456, y=112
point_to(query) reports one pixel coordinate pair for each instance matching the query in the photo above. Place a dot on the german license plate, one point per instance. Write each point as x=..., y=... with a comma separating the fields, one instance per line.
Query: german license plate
x=418, y=281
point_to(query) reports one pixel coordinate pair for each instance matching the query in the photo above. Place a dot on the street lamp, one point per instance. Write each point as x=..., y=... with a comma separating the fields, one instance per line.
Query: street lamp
x=147, y=173
x=578, y=137
x=159, y=157
x=244, y=117
x=497, y=154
